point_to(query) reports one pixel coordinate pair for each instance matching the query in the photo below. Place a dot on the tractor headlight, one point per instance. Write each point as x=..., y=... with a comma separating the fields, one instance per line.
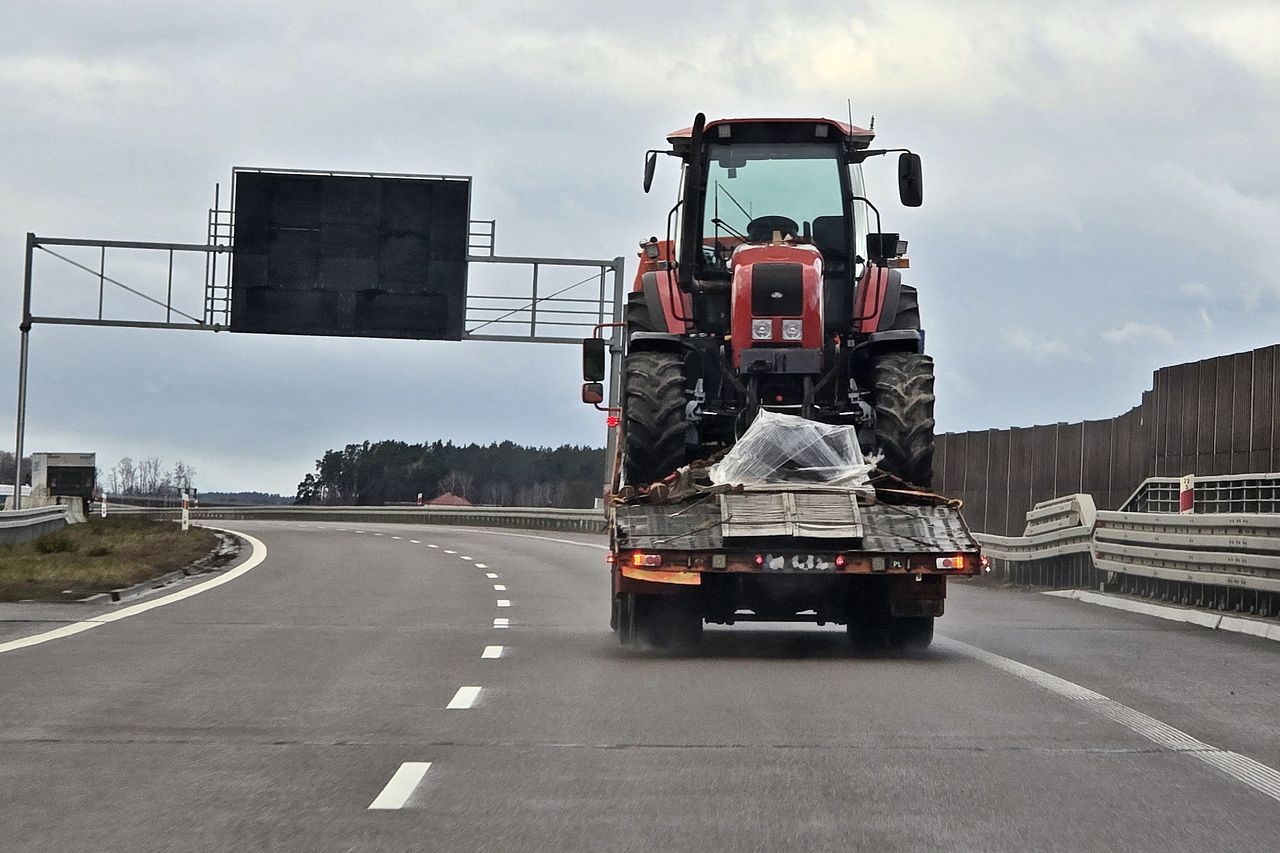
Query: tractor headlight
x=792, y=330
x=761, y=330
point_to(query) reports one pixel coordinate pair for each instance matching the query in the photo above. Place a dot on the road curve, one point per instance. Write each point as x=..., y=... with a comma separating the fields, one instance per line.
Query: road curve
x=363, y=690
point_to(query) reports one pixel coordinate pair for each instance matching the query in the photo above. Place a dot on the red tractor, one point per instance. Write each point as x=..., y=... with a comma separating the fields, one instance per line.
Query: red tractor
x=773, y=292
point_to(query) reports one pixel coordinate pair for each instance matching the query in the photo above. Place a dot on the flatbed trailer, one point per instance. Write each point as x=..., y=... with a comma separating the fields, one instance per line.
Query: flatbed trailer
x=785, y=556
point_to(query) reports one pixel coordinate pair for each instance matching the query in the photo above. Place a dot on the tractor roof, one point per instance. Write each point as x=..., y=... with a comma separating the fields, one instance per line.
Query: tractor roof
x=792, y=129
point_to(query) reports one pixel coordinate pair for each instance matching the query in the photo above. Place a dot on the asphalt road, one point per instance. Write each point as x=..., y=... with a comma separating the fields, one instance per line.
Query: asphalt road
x=271, y=712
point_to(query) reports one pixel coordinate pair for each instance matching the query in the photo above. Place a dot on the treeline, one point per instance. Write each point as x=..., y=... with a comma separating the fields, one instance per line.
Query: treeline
x=499, y=474
x=244, y=498
x=7, y=468
x=147, y=477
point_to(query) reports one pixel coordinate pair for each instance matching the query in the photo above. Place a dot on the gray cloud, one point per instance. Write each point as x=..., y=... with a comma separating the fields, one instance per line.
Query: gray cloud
x=1092, y=168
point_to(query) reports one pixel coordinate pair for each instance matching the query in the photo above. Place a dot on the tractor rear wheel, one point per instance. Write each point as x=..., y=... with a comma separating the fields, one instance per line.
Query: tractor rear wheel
x=903, y=383
x=653, y=410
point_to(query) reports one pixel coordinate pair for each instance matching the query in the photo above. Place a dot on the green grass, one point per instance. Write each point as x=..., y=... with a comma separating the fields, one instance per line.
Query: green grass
x=104, y=554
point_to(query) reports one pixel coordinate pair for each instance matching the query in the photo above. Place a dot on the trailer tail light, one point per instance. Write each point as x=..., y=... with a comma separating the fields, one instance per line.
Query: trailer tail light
x=647, y=560
x=759, y=559
x=985, y=562
x=839, y=561
x=956, y=562
x=611, y=558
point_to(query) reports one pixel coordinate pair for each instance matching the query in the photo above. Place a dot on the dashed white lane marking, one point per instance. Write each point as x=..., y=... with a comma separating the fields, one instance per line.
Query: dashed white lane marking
x=429, y=545
x=395, y=537
x=481, y=566
x=503, y=602
x=497, y=587
x=402, y=785
x=465, y=698
x=526, y=536
x=491, y=576
x=1255, y=774
x=342, y=530
x=501, y=622
x=379, y=534
x=447, y=551
x=357, y=531
x=255, y=559
x=463, y=557
x=491, y=652
x=415, y=541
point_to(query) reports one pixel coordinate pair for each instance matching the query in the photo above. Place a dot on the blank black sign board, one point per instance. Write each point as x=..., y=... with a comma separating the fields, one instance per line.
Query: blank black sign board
x=378, y=257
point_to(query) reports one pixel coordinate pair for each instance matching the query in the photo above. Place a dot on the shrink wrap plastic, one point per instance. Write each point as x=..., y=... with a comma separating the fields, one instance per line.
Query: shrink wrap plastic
x=785, y=450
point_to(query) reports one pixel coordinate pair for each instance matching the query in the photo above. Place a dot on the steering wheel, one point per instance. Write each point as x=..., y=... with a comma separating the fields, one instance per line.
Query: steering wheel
x=760, y=229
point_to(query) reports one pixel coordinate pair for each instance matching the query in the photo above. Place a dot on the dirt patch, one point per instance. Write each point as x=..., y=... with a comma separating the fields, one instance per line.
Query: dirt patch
x=102, y=555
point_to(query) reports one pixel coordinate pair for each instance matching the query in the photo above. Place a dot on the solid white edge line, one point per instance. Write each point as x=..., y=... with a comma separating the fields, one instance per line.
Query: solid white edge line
x=504, y=602
x=255, y=559
x=1260, y=777
x=1203, y=618
x=401, y=785
x=491, y=652
x=464, y=699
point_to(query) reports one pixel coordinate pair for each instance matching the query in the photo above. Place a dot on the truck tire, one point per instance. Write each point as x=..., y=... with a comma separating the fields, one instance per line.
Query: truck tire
x=653, y=409
x=913, y=633
x=903, y=397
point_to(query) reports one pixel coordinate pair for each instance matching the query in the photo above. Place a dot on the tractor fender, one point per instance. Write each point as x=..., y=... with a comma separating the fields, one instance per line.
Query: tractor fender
x=893, y=340
x=654, y=342
x=659, y=304
x=881, y=299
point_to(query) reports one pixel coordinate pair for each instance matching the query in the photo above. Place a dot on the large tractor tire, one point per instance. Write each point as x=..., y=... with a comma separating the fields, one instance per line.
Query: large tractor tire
x=653, y=409
x=903, y=383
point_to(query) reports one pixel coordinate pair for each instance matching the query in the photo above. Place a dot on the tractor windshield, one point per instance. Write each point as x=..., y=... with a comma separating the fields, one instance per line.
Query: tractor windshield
x=780, y=187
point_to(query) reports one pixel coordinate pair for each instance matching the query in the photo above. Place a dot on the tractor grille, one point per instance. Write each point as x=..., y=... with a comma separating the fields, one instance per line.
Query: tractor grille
x=777, y=290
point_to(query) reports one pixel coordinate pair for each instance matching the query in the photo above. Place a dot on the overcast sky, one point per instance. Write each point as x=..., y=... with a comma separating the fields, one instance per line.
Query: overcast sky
x=1102, y=192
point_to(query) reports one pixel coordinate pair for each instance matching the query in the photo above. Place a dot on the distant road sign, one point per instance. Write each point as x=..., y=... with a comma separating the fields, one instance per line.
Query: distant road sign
x=381, y=256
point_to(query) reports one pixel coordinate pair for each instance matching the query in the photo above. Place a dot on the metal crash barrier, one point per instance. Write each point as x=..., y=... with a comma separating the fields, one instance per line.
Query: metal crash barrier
x=1218, y=559
x=23, y=525
x=525, y=518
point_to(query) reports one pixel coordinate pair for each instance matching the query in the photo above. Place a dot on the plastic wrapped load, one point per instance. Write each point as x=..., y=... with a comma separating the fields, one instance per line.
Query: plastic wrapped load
x=778, y=450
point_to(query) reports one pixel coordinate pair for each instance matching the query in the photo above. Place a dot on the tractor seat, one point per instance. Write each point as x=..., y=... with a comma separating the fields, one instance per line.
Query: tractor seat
x=831, y=238
x=760, y=229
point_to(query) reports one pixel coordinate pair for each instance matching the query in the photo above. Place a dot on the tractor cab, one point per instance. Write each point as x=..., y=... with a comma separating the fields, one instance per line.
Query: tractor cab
x=771, y=291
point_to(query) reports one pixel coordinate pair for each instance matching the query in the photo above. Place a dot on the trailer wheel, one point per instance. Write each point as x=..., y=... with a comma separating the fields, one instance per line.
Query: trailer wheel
x=903, y=383
x=914, y=633
x=654, y=415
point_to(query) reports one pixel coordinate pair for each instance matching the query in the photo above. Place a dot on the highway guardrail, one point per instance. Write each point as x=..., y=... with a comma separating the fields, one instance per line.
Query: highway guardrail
x=1225, y=560
x=524, y=518
x=23, y=525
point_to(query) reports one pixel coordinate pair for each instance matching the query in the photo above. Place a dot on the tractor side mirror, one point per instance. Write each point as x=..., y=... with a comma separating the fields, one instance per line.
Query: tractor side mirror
x=593, y=359
x=650, y=164
x=910, y=183
x=593, y=393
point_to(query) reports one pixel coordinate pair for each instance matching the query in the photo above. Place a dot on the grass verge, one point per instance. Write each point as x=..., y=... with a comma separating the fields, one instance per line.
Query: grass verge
x=102, y=555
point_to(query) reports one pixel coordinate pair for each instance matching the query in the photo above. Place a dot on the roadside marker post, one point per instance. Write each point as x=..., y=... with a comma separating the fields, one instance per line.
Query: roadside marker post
x=186, y=513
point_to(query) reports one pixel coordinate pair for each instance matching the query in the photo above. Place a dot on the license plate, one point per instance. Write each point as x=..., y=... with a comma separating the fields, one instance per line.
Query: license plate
x=798, y=563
